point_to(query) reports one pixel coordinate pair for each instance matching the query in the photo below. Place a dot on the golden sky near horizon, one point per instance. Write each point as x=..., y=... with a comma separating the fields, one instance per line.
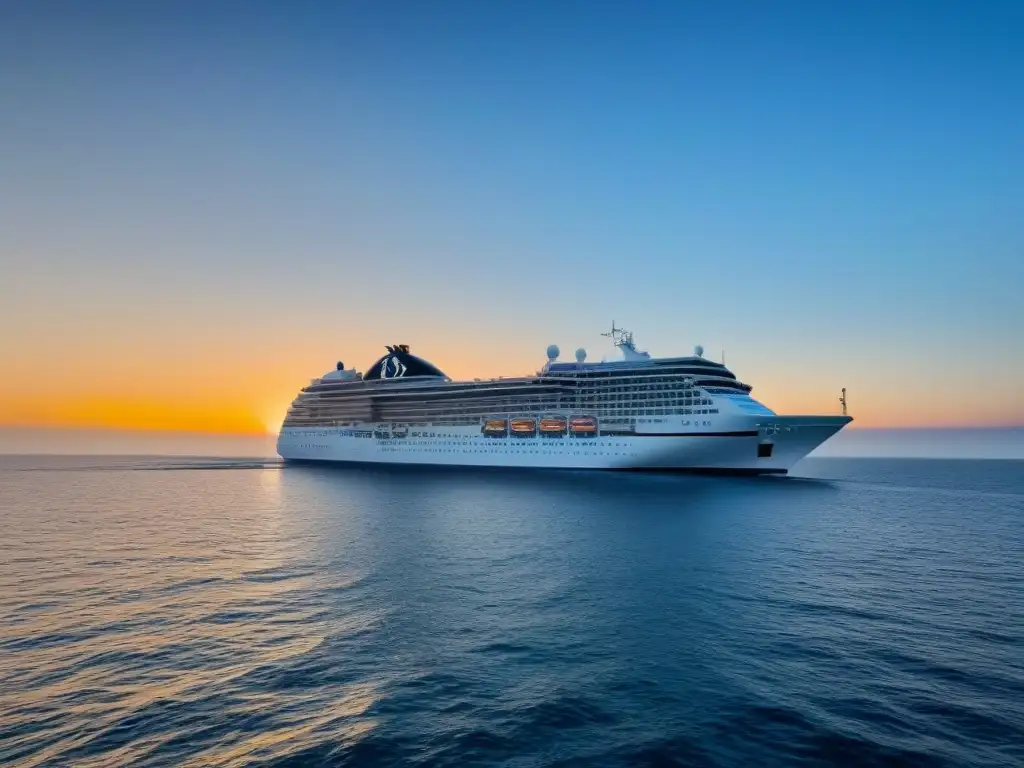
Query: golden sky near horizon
x=239, y=386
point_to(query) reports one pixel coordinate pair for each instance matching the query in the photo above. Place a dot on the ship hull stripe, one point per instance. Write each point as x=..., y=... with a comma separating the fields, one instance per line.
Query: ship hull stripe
x=745, y=433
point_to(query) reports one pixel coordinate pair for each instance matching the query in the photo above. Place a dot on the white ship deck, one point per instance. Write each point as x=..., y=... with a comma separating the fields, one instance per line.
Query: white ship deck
x=641, y=413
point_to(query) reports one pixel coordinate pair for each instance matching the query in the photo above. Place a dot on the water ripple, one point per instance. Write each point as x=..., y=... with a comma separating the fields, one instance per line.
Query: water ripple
x=275, y=616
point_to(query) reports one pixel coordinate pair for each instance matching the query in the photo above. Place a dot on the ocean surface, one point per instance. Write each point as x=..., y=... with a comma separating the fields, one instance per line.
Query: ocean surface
x=225, y=612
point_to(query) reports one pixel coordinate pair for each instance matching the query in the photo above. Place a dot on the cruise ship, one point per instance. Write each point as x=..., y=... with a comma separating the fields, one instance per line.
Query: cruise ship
x=634, y=412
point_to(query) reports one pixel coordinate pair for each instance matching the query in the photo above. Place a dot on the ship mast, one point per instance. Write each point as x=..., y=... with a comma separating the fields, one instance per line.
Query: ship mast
x=623, y=339
x=620, y=337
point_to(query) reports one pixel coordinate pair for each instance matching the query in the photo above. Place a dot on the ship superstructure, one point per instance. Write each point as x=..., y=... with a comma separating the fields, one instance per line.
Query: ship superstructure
x=634, y=412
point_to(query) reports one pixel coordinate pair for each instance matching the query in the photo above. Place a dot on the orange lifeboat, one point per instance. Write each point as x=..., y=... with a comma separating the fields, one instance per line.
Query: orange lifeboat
x=583, y=426
x=495, y=428
x=524, y=427
x=554, y=426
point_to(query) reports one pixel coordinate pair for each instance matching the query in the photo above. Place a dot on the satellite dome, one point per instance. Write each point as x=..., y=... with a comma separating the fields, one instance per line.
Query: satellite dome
x=581, y=355
x=553, y=352
x=341, y=366
x=698, y=351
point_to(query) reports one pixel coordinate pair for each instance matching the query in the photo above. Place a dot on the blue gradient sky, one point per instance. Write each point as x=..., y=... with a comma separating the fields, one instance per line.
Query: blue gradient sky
x=204, y=204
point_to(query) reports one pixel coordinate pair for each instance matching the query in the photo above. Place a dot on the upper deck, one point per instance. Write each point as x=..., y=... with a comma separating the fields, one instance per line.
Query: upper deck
x=401, y=387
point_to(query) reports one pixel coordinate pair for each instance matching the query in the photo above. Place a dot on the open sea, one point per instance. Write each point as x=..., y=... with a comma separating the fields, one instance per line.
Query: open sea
x=223, y=612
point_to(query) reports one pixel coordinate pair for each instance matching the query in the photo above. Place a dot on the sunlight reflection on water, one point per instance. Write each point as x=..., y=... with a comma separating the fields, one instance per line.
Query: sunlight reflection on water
x=238, y=613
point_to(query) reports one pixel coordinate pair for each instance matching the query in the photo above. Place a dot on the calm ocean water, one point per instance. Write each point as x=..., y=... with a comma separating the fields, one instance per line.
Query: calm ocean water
x=237, y=612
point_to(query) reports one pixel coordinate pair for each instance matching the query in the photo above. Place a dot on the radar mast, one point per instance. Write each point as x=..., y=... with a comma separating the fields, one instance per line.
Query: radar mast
x=623, y=339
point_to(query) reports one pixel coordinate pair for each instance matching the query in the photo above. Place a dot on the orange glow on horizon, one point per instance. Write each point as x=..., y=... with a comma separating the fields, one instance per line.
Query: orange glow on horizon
x=110, y=413
x=260, y=412
x=240, y=389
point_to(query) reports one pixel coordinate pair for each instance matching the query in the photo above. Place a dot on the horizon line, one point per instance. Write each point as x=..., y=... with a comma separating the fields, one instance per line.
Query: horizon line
x=853, y=426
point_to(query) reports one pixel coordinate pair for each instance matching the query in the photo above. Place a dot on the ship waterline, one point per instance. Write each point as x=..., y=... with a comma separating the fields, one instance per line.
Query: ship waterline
x=638, y=412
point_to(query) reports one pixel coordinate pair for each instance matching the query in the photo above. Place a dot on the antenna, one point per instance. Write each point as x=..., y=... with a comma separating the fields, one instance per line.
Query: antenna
x=623, y=339
x=842, y=400
x=620, y=337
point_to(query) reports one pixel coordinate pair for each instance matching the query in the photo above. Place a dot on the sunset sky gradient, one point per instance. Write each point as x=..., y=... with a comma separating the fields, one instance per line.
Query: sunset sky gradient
x=203, y=205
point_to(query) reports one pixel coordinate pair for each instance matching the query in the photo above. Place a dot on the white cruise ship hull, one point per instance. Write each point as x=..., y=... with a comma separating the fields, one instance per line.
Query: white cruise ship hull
x=741, y=445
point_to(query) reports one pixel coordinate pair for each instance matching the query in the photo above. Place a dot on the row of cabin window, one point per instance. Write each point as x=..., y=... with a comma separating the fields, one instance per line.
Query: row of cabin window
x=585, y=388
x=474, y=421
x=422, y=414
x=485, y=408
x=504, y=403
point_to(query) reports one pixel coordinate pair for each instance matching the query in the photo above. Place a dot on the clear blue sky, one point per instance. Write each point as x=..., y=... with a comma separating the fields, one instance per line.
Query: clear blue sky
x=832, y=192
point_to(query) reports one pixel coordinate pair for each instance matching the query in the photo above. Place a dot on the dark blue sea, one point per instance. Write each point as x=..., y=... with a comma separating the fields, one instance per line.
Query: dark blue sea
x=224, y=612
